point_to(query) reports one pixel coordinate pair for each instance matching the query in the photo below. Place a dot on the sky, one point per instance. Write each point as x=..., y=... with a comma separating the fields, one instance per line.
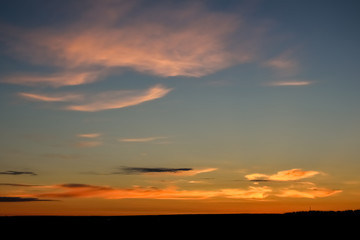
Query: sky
x=175, y=107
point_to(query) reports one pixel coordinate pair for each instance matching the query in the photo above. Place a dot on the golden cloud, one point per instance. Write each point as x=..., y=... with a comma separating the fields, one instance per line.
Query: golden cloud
x=286, y=175
x=308, y=193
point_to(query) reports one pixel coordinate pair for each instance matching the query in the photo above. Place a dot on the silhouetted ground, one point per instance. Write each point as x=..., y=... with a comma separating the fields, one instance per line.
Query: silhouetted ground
x=175, y=226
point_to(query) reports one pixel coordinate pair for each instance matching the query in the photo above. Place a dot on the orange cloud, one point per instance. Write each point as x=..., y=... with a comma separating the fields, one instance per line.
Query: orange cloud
x=172, y=192
x=251, y=193
x=89, y=135
x=119, y=99
x=88, y=144
x=287, y=175
x=309, y=193
x=54, y=80
x=47, y=98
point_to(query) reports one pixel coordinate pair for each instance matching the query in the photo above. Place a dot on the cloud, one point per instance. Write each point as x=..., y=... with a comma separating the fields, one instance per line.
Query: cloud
x=79, y=190
x=172, y=171
x=18, y=173
x=163, y=40
x=103, y=100
x=284, y=65
x=308, y=193
x=290, y=83
x=22, y=199
x=141, y=140
x=88, y=144
x=89, y=135
x=54, y=80
x=54, y=98
x=286, y=175
x=75, y=190
x=119, y=99
x=250, y=193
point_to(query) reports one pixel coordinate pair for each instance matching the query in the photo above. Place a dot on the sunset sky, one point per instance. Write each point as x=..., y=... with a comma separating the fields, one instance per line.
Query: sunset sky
x=170, y=107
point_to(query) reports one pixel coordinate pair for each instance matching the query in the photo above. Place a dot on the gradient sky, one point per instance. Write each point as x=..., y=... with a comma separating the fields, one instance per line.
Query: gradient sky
x=162, y=107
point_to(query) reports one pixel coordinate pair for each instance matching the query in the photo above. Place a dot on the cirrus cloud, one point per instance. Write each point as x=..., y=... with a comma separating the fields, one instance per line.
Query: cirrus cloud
x=103, y=100
x=119, y=99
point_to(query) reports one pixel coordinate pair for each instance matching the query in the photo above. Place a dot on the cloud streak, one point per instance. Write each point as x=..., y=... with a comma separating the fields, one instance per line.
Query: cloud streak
x=290, y=83
x=88, y=135
x=47, y=98
x=308, y=193
x=88, y=144
x=103, y=100
x=17, y=173
x=75, y=190
x=171, y=171
x=286, y=175
x=22, y=199
x=53, y=80
x=119, y=99
x=140, y=140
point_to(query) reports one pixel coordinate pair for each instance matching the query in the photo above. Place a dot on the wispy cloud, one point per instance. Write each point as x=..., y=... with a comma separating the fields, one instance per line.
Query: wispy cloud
x=286, y=175
x=162, y=40
x=75, y=190
x=290, y=83
x=88, y=144
x=250, y=193
x=141, y=140
x=284, y=65
x=119, y=99
x=53, y=80
x=53, y=98
x=103, y=100
x=88, y=135
x=308, y=193
x=18, y=173
x=79, y=190
x=171, y=171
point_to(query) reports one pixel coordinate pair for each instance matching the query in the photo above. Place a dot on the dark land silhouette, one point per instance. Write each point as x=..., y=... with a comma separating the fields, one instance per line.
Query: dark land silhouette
x=308, y=218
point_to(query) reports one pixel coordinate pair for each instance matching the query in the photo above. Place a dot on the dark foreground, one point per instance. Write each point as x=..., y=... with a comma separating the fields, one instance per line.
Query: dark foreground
x=212, y=222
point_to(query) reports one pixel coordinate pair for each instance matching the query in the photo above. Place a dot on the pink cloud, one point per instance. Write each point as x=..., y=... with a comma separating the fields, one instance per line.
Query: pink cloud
x=48, y=98
x=119, y=99
x=162, y=41
x=54, y=80
x=104, y=100
x=290, y=83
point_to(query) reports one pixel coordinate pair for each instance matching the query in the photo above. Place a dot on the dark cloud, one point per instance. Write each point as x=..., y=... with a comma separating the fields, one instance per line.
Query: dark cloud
x=21, y=199
x=139, y=170
x=261, y=180
x=79, y=185
x=18, y=173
